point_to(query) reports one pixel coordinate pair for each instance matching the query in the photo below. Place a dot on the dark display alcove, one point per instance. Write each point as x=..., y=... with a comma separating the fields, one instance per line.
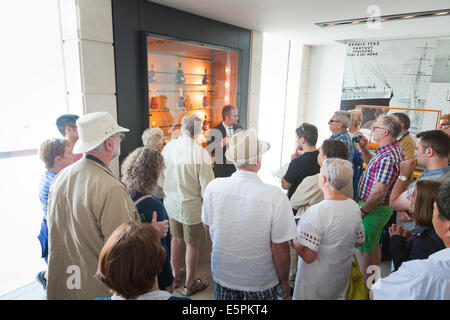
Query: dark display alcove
x=133, y=22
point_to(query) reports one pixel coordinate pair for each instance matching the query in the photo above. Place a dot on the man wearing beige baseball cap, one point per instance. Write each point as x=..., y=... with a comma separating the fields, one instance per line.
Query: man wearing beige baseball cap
x=250, y=224
x=86, y=204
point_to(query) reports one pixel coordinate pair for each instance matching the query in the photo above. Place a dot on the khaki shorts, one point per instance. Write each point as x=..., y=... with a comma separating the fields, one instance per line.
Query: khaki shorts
x=191, y=233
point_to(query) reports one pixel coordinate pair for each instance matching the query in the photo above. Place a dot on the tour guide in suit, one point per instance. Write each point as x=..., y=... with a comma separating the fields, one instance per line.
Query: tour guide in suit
x=218, y=139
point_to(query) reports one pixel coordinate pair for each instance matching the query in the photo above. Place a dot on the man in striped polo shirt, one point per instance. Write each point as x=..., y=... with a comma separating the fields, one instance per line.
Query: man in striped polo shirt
x=375, y=186
x=56, y=154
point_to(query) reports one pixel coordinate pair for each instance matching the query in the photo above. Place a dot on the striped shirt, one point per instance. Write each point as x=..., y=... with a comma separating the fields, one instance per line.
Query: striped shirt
x=383, y=168
x=345, y=137
x=44, y=187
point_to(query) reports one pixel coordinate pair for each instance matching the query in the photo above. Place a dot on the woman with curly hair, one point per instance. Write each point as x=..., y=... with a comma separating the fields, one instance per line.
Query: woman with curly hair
x=140, y=173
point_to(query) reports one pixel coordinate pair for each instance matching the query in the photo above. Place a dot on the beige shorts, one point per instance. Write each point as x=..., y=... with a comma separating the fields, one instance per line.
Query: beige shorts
x=191, y=233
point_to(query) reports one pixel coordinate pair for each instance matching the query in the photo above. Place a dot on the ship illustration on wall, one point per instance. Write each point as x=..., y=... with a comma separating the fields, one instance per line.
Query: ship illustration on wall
x=396, y=74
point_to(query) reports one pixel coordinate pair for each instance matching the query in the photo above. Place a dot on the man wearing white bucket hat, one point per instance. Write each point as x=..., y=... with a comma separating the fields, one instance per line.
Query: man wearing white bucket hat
x=86, y=204
x=250, y=224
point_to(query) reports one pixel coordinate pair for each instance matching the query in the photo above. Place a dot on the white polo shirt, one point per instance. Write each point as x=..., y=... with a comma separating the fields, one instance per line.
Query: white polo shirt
x=244, y=216
x=422, y=279
x=188, y=171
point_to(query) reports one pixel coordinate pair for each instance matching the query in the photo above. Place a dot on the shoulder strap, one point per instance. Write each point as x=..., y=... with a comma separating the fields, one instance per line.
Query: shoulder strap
x=142, y=198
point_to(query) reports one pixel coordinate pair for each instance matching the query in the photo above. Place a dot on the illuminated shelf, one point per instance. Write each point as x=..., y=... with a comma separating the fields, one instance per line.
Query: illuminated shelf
x=185, y=90
x=178, y=55
x=186, y=74
x=177, y=84
x=185, y=109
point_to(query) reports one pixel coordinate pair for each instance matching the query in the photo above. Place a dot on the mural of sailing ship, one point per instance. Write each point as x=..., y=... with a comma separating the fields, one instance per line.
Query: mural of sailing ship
x=418, y=72
x=374, y=90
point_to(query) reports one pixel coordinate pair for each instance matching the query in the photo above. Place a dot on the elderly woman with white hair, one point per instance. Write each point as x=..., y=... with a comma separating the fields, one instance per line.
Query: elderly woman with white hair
x=154, y=138
x=327, y=234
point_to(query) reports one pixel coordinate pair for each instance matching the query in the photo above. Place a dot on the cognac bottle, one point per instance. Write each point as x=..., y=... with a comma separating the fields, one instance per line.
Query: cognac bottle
x=180, y=103
x=154, y=102
x=179, y=77
x=205, y=101
x=205, y=79
x=205, y=126
x=151, y=75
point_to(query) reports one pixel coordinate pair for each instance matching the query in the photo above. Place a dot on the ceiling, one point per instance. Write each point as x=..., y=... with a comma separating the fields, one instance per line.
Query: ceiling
x=296, y=19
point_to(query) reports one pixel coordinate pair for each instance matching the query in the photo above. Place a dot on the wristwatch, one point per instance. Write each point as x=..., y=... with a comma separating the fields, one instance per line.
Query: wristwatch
x=363, y=211
x=403, y=178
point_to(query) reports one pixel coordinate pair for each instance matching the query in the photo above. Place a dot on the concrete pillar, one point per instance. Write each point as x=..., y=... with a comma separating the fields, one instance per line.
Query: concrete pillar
x=87, y=35
x=256, y=49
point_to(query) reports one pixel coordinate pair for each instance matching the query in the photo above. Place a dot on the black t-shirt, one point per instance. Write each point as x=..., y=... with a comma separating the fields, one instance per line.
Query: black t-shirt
x=303, y=166
x=145, y=209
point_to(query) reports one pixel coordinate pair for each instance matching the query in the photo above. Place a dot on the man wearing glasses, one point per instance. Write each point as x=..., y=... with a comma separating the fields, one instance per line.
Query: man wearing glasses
x=86, y=204
x=338, y=126
x=375, y=186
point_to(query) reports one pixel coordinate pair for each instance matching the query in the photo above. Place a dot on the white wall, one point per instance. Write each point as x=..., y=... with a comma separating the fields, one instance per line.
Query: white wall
x=323, y=93
x=278, y=99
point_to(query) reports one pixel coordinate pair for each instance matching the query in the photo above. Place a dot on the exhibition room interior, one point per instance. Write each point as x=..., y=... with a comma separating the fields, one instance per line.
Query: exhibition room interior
x=281, y=63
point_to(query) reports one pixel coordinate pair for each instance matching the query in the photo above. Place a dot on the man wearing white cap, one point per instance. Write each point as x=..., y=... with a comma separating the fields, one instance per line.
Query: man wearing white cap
x=250, y=224
x=86, y=204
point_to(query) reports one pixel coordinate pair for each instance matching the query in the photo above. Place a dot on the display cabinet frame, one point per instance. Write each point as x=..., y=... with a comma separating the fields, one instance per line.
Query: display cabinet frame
x=146, y=83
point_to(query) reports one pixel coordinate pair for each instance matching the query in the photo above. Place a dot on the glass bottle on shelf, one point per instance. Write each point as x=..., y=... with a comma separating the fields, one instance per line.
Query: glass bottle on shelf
x=154, y=102
x=151, y=75
x=205, y=79
x=205, y=100
x=180, y=102
x=205, y=126
x=187, y=101
x=179, y=77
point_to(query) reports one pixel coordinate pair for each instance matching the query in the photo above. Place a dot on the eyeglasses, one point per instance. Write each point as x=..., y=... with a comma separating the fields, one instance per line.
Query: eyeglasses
x=334, y=120
x=375, y=127
x=121, y=136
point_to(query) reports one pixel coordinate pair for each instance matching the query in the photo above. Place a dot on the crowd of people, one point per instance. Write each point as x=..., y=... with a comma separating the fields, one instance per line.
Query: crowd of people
x=109, y=238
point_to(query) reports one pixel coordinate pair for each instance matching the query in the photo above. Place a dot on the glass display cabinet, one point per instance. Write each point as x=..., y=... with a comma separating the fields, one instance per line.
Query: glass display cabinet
x=186, y=77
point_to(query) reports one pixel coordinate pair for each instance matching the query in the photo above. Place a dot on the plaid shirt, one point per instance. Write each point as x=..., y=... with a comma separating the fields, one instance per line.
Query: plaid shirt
x=345, y=137
x=384, y=168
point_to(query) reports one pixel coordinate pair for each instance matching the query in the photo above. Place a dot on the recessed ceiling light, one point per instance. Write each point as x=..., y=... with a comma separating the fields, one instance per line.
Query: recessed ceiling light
x=392, y=17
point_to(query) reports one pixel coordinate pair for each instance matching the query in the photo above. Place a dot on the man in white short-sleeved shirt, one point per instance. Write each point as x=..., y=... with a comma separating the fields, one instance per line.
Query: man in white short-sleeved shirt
x=426, y=279
x=250, y=224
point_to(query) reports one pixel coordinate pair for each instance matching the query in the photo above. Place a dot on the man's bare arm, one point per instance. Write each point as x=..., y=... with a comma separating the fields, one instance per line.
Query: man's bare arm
x=282, y=260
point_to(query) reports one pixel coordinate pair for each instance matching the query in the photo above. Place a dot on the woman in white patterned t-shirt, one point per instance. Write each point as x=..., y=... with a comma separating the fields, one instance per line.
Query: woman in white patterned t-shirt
x=327, y=234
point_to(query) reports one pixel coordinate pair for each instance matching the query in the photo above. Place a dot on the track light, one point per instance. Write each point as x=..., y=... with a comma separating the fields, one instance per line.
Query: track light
x=392, y=17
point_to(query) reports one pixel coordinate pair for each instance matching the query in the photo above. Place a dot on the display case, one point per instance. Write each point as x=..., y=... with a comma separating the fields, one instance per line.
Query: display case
x=186, y=77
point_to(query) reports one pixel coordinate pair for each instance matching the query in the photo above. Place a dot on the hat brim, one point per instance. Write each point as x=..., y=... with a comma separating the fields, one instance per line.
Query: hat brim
x=263, y=148
x=82, y=147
